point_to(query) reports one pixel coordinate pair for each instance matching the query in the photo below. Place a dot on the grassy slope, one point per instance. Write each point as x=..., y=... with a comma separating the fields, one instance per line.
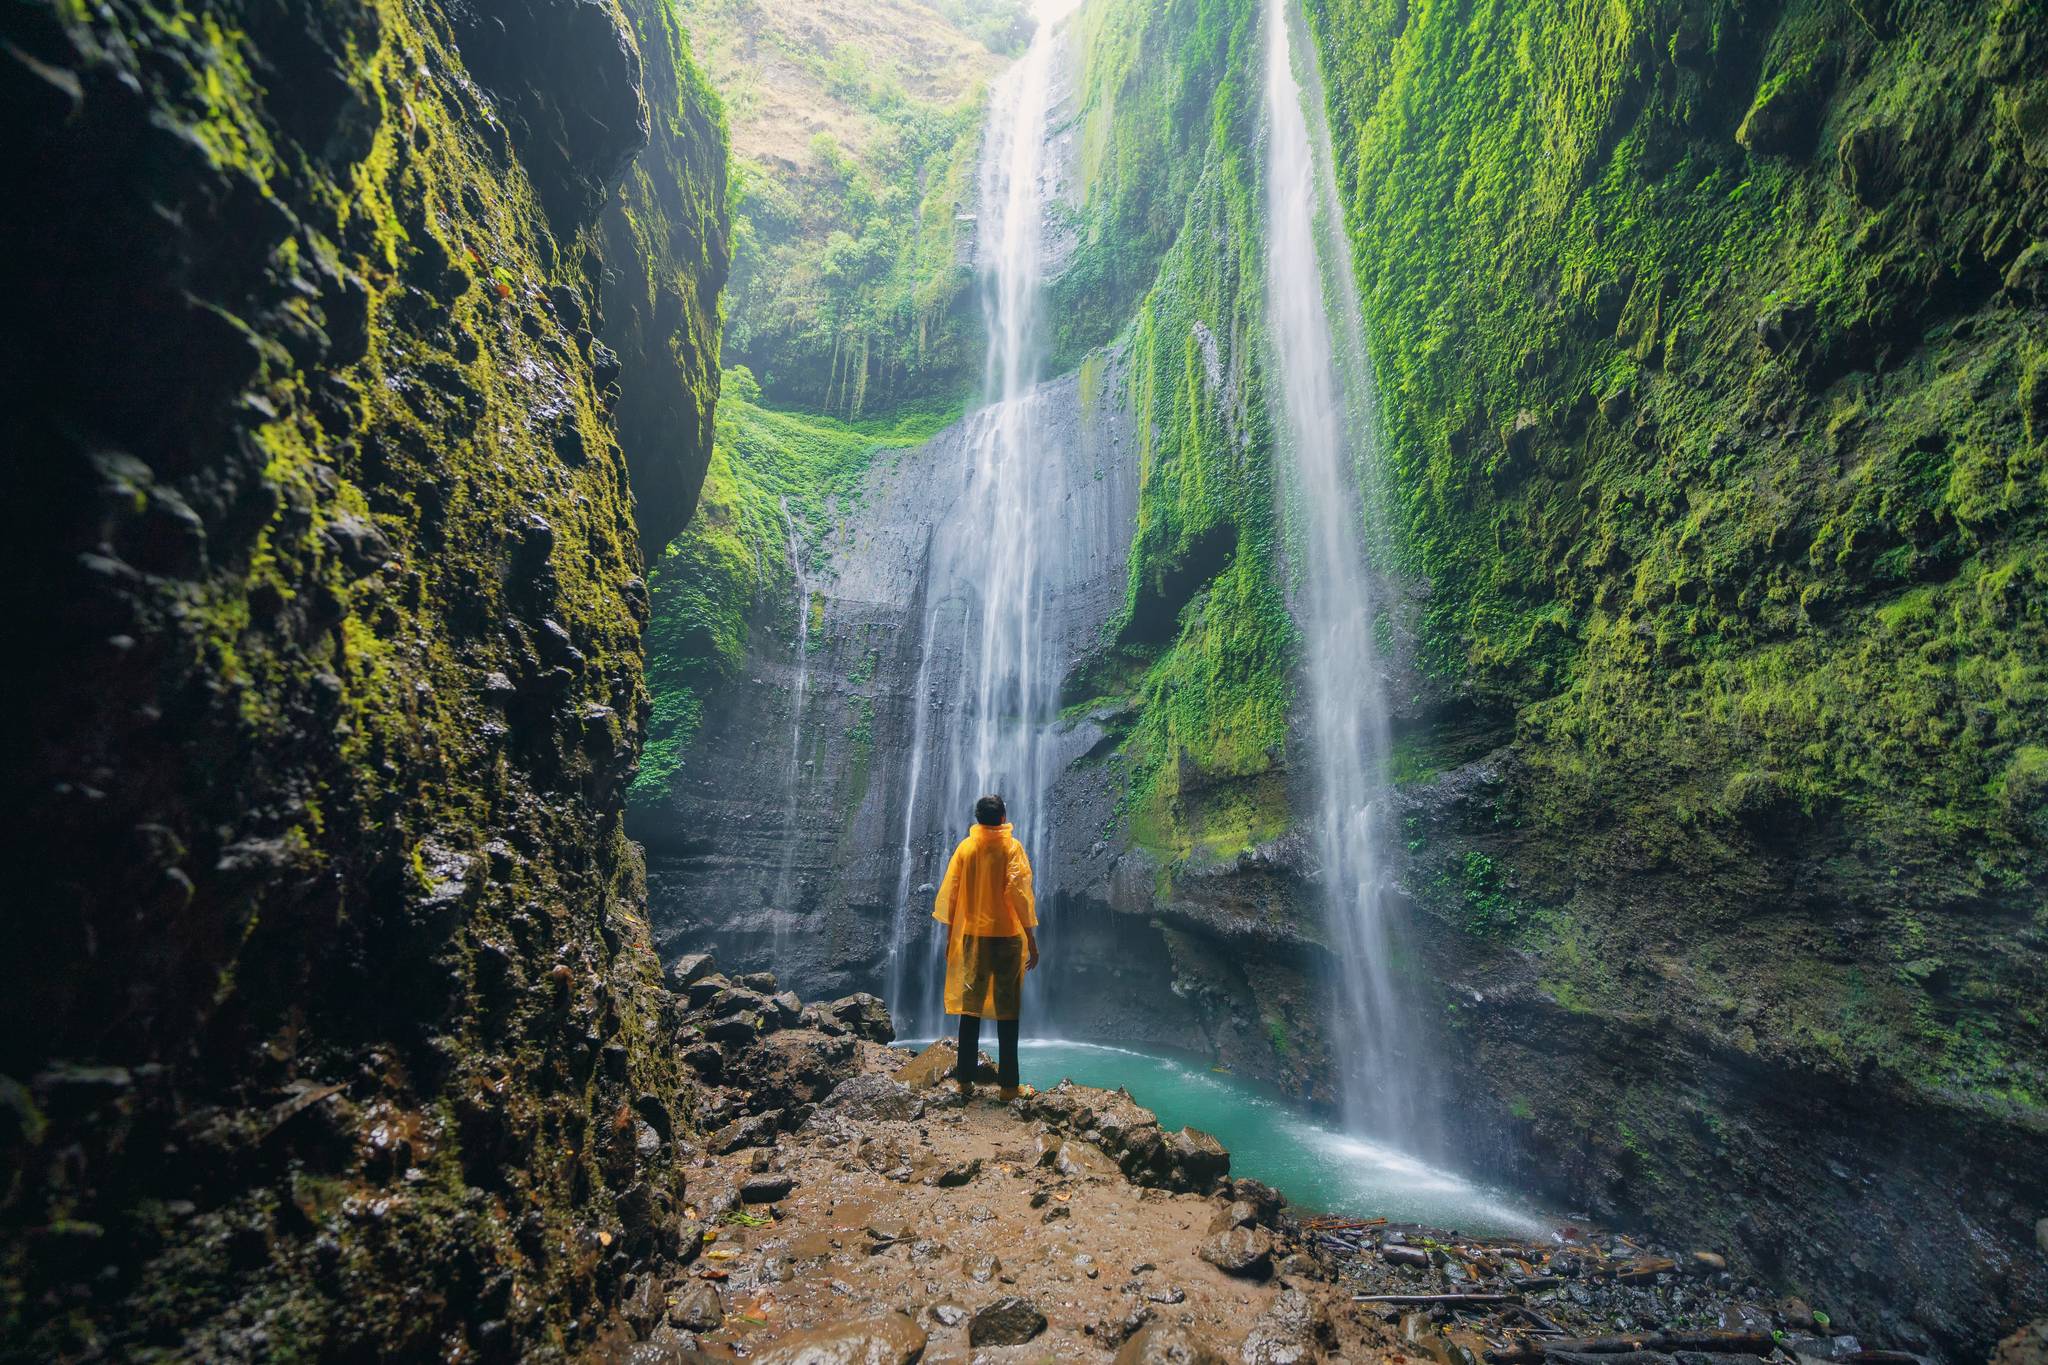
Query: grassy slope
x=856, y=129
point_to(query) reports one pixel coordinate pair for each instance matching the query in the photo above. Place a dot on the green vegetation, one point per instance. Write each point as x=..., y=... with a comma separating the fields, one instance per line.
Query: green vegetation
x=1151, y=94
x=773, y=473
x=1714, y=432
x=1204, y=640
x=850, y=290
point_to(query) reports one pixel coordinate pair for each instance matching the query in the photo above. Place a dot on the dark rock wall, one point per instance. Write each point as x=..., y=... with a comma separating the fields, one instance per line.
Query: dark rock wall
x=325, y=1020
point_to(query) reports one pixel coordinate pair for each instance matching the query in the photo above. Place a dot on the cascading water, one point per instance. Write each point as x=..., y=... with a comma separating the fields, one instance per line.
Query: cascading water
x=989, y=672
x=793, y=778
x=1323, y=379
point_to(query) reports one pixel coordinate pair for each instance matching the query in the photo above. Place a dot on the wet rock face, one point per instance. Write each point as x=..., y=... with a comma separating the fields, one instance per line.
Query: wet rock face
x=333, y=652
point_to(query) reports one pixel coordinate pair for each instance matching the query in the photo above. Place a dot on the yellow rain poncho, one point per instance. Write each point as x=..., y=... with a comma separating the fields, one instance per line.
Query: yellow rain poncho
x=986, y=904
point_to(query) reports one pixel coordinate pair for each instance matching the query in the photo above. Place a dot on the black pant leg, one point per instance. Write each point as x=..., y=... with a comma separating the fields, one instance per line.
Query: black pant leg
x=970, y=1046
x=1006, y=1032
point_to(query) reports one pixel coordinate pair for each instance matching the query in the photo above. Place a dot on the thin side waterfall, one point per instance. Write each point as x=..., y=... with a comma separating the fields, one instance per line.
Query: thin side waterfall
x=1323, y=379
x=986, y=646
x=793, y=778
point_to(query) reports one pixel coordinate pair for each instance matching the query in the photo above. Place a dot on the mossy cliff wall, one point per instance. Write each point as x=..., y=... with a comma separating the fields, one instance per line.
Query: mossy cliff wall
x=329, y=1026
x=1711, y=344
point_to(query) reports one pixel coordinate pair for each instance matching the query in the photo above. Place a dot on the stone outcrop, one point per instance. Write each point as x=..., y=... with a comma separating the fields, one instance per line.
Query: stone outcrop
x=333, y=1019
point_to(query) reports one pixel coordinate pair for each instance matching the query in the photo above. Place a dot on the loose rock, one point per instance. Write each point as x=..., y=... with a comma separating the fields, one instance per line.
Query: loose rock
x=888, y=1339
x=696, y=1307
x=1245, y=1252
x=1169, y=1343
x=766, y=1189
x=1008, y=1321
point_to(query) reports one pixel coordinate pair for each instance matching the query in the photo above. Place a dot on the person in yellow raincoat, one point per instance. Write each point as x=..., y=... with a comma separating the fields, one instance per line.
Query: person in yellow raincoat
x=986, y=904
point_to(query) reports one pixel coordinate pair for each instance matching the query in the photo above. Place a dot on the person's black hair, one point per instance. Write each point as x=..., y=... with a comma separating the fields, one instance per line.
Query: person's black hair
x=990, y=810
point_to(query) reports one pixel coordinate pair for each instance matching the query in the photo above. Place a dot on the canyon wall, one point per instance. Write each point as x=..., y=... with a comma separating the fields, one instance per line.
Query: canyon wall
x=1711, y=344
x=1711, y=354
x=337, y=333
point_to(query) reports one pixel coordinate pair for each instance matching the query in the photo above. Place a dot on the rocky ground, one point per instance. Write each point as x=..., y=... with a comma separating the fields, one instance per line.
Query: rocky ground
x=847, y=1205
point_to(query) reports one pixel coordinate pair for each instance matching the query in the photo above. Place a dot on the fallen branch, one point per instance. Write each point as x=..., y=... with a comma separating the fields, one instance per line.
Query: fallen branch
x=1724, y=1343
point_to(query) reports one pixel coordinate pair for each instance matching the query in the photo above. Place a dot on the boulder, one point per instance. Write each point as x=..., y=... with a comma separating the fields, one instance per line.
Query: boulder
x=1238, y=1213
x=815, y=1017
x=1199, y=1160
x=1079, y=1160
x=1010, y=1321
x=1294, y=1331
x=735, y=1000
x=766, y=1188
x=753, y=1130
x=887, y=1339
x=764, y=982
x=1244, y=1252
x=958, y=1174
x=1169, y=1343
x=788, y=1008
x=734, y=1029
x=793, y=1067
x=705, y=1059
x=643, y=1305
x=864, y=1016
x=704, y=988
x=868, y=1096
x=688, y=969
x=696, y=1307
x=1260, y=1196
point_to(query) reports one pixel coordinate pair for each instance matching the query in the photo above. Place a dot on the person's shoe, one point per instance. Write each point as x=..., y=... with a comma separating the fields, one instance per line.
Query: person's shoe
x=1015, y=1092
x=965, y=1087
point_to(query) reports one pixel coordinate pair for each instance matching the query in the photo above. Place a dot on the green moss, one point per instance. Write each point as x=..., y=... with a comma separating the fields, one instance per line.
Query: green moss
x=729, y=574
x=1770, y=564
x=851, y=292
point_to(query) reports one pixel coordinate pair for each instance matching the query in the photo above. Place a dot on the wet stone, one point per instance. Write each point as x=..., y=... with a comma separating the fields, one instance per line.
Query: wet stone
x=1009, y=1321
x=755, y=1130
x=766, y=1189
x=696, y=1307
x=886, y=1339
x=688, y=969
x=1169, y=1343
x=1244, y=1252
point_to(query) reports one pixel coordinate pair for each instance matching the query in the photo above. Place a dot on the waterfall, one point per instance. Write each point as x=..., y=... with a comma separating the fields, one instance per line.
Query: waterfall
x=793, y=777
x=988, y=677
x=1328, y=441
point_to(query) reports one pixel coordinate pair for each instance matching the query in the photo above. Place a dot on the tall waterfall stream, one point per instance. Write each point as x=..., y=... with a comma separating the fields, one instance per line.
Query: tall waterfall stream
x=1324, y=381
x=980, y=725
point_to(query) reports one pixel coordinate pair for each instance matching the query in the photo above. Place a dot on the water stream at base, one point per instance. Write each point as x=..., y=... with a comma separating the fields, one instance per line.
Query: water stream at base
x=989, y=672
x=1320, y=1167
x=1327, y=438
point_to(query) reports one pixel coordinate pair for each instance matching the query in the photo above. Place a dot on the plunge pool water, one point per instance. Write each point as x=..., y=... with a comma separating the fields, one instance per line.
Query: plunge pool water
x=1316, y=1166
